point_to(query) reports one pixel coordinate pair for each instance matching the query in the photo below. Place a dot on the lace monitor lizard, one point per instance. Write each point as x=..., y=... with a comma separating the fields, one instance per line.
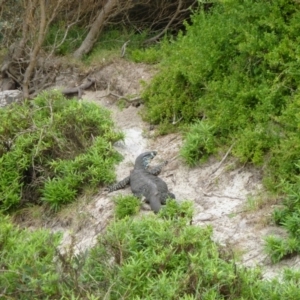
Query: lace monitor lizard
x=144, y=182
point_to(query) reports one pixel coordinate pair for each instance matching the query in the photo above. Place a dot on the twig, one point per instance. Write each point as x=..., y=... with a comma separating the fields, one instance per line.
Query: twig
x=226, y=215
x=252, y=257
x=41, y=84
x=178, y=11
x=223, y=159
x=55, y=47
x=51, y=112
x=107, y=294
x=36, y=152
x=46, y=85
x=176, y=156
x=172, y=139
x=219, y=196
x=215, y=170
x=123, y=49
x=78, y=89
x=174, y=119
x=138, y=98
x=13, y=77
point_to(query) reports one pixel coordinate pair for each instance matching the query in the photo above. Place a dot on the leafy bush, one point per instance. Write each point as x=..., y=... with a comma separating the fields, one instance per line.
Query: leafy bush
x=174, y=210
x=240, y=79
x=153, y=257
x=27, y=269
x=199, y=143
x=164, y=257
x=126, y=205
x=149, y=55
x=51, y=148
x=289, y=218
x=235, y=68
x=279, y=248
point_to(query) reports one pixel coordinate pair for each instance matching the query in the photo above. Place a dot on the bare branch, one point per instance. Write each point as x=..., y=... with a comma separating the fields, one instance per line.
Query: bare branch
x=36, y=49
x=155, y=38
x=28, y=67
x=96, y=28
x=78, y=90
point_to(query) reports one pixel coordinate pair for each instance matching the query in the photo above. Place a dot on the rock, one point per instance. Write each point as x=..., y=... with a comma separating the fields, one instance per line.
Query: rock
x=11, y=96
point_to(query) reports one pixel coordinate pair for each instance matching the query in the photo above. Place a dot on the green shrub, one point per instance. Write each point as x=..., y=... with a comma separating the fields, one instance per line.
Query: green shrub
x=149, y=55
x=170, y=98
x=199, y=143
x=235, y=68
x=155, y=258
x=279, y=248
x=231, y=79
x=27, y=268
x=174, y=210
x=164, y=257
x=158, y=256
x=54, y=148
x=287, y=216
x=127, y=205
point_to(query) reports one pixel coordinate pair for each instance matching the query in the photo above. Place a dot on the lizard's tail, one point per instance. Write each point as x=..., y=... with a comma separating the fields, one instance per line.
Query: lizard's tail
x=155, y=203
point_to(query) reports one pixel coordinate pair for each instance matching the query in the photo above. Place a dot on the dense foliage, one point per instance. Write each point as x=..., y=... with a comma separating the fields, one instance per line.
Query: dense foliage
x=27, y=270
x=151, y=257
x=126, y=205
x=234, y=76
x=51, y=148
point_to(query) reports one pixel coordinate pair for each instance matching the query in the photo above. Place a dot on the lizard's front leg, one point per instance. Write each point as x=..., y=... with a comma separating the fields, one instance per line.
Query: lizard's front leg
x=119, y=185
x=157, y=169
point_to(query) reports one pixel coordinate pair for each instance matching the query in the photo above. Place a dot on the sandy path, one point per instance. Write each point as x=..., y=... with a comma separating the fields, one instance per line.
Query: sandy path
x=223, y=194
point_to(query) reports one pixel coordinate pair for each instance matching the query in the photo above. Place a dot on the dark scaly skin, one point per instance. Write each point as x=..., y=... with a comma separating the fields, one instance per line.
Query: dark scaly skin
x=145, y=183
x=157, y=169
x=119, y=185
x=154, y=171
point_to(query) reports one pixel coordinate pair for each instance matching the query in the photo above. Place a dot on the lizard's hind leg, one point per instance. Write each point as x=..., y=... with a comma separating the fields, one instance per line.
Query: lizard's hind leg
x=166, y=196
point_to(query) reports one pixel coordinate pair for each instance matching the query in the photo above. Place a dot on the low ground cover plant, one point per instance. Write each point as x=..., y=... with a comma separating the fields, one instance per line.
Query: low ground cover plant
x=150, y=257
x=27, y=270
x=126, y=205
x=53, y=147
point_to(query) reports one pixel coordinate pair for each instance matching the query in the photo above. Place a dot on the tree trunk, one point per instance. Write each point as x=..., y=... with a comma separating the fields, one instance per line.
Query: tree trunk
x=96, y=29
x=1, y=6
x=35, y=51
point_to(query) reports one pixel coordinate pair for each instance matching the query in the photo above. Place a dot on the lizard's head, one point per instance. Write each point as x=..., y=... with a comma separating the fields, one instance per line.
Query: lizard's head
x=144, y=159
